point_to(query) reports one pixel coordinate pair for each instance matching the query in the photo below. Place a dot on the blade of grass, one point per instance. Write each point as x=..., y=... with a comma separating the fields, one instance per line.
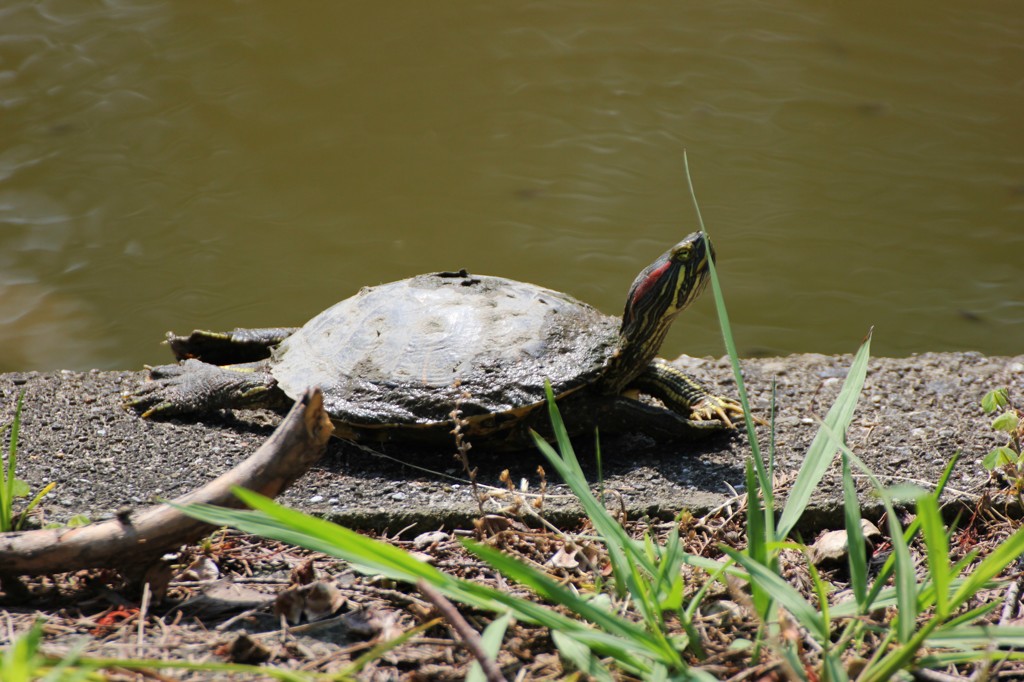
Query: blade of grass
x=374, y=557
x=547, y=588
x=615, y=538
x=629, y=655
x=491, y=640
x=581, y=657
x=630, y=562
x=7, y=484
x=976, y=636
x=260, y=671
x=383, y=647
x=567, y=465
x=857, y=551
x=992, y=565
x=944, y=659
x=968, y=617
x=67, y=668
x=826, y=442
x=730, y=344
x=21, y=659
x=831, y=653
x=366, y=554
x=35, y=501
x=771, y=433
x=788, y=596
x=937, y=547
x=669, y=582
x=965, y=588
x=757, y=543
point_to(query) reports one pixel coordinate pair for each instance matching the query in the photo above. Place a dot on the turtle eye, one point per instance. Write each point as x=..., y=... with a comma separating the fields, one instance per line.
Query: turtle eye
x=682, y=253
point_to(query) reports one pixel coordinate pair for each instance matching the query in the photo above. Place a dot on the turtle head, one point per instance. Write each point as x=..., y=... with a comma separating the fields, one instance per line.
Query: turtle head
x=659, y=293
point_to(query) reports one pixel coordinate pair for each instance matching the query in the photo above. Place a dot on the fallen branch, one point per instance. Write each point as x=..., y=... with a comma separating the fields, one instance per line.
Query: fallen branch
x=136, y=540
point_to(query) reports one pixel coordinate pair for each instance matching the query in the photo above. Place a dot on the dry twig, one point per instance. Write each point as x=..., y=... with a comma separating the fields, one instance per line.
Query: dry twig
x=470, y=637
x=138, y=540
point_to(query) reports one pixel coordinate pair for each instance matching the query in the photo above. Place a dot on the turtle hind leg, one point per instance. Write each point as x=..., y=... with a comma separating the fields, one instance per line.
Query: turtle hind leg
x=194, y=387
x=618, y=414
x=626, y=415
x=684, y=395
x=226, y=348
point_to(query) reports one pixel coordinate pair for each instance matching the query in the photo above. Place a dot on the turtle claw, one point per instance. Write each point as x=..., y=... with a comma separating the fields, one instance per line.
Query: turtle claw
x=162, y=394
x=711, y=407
x=164, y=408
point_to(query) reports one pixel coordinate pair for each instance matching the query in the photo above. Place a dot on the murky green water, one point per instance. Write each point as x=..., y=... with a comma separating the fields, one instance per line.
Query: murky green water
x=169, y=165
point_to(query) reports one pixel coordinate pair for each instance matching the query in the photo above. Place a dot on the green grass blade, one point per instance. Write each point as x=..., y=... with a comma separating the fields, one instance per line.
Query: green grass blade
x=614, y=536
x=8, y=473
x=977, y=613
x=714, y=566
x=35, y=501
x=259, y=671
x=832, y=663
x=937, y=547
x=995, y=563
x=628, y=654
x=899, y=538
x=641, y=591
x=857, y=557
x=785, y=594
x=669, y=587
x=727, y=338
x=905, y=577
x=825, y=444
x=568, y=467
x=631, y=563
x=383, y=647
x=978, y=637
x=796, y=666
x=491, y=640
x=943, y=659
x=771, y=440
x=821, y=592
x=21, y=660
x=366, y=554
x=551, y=591
x=374, y=557
x=757, y=543
x=581, y=656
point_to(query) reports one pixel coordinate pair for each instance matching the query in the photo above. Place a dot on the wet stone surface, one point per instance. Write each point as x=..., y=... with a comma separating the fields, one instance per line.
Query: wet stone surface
x=913, y=415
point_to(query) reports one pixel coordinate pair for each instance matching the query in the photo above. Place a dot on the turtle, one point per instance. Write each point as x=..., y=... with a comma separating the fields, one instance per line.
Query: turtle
x=408, y=360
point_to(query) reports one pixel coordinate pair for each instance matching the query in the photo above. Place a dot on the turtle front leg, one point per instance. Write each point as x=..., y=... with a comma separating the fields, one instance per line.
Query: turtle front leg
x=225, y=348
x=194, y=387
x=683, y=394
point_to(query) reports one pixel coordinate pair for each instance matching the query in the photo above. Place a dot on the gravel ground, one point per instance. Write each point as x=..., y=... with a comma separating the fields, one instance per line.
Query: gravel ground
x=913, y=415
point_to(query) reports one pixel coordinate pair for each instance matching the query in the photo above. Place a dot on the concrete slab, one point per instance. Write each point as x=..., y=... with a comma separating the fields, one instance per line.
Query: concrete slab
x=913, y=415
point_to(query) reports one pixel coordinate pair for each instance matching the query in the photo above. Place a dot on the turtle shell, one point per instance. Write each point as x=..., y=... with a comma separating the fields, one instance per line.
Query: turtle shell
x=408, y=352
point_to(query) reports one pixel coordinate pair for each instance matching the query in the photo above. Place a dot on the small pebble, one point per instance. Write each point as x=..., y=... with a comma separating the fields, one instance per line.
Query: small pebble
x=425, y=540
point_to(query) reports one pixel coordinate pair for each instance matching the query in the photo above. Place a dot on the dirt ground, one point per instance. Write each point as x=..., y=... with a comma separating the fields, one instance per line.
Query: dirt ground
x=913, y=415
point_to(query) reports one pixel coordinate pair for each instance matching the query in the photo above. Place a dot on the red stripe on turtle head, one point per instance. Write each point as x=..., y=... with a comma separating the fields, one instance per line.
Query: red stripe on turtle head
x=641, y=288
x=652, y=278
